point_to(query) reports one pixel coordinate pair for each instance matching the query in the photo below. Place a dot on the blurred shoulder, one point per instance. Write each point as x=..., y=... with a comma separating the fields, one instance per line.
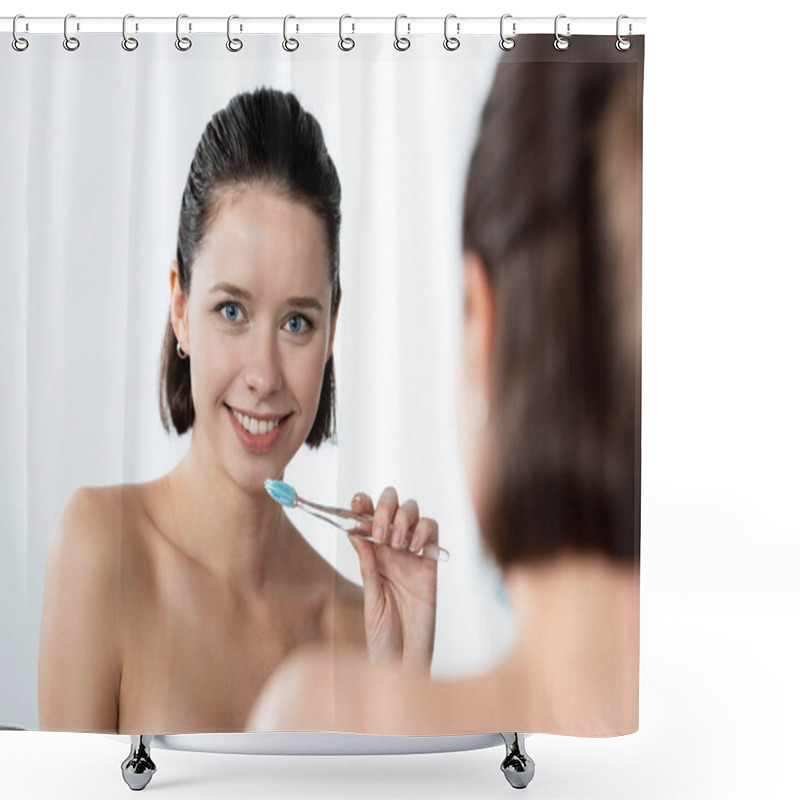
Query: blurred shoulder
x=326, y=688
x=298, y=696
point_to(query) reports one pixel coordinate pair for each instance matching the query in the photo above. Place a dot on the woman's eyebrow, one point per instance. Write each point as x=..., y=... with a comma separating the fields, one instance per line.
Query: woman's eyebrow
x=236, y=291
x=304, y=302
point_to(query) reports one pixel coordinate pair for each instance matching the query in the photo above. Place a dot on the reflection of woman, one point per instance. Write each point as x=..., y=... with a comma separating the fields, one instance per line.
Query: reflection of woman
x=168, y=603
x=548, y=424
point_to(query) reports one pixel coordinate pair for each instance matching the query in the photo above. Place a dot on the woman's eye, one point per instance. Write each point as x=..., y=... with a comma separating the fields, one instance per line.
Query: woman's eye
x=230, y=310
x=298, y=324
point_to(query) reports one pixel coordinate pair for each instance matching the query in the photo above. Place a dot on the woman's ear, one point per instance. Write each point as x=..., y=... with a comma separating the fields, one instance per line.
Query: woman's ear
x=479, y=321
x=178, y=308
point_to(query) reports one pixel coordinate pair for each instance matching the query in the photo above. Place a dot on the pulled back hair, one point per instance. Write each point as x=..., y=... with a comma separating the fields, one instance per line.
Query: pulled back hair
x=552, y=207
x=263, y=137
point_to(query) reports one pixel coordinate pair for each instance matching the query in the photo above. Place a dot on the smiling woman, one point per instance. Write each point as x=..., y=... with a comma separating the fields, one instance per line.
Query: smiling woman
x=263, y=320
x=169, y=603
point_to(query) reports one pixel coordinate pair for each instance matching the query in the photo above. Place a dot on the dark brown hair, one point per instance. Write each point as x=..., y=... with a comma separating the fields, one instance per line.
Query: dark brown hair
x=553, y=209
x=261, y=137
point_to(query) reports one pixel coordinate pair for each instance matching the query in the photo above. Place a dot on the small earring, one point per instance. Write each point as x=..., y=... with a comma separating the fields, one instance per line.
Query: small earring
x=181, y=352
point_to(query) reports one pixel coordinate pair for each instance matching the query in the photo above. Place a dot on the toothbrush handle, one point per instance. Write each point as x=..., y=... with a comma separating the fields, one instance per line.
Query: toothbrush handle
x=432, y=551
x=342, y=513
x=435, y=552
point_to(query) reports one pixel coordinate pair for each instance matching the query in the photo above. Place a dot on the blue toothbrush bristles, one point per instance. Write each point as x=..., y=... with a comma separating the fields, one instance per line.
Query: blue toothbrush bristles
x=281, y=492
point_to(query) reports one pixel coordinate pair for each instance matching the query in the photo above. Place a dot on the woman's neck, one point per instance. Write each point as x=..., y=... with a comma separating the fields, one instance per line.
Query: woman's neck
x=230, y=532
x=577, y=640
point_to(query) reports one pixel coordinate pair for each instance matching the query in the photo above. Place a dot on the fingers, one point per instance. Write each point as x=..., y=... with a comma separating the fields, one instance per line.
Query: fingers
x=362, y=504
x=394, y=524
x=383, y=516
x=427, y=530
x=405, y=520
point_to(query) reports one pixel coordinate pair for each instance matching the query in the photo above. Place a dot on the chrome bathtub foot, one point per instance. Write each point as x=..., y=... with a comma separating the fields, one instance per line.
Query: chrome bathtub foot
x=138, y=768
x=517, y=766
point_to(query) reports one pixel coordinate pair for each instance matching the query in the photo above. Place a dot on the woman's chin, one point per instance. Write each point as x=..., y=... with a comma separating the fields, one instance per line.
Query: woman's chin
x=251, y=481
x=255, y=485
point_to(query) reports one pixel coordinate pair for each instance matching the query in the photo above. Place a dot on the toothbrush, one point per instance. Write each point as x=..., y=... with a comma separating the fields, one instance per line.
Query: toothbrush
x=286, y=496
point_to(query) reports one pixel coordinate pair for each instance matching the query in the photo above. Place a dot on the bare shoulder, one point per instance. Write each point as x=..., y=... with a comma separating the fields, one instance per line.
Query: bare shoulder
x=86, y=534
x=92, y=524
x=90, y=539
x=79, y=654
x=300, y=694
x=320, y=688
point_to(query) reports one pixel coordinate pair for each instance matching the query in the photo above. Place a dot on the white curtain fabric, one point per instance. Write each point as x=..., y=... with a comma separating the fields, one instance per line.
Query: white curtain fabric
x=95, y=148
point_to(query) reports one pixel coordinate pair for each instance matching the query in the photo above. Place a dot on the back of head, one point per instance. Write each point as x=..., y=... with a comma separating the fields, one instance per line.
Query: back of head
x=552, y=207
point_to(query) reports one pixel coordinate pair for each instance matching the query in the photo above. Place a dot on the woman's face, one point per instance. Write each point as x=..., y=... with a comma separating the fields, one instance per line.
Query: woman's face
x=258, y=331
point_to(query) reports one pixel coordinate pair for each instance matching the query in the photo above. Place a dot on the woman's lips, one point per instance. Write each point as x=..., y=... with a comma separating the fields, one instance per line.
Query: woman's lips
x=257, y=442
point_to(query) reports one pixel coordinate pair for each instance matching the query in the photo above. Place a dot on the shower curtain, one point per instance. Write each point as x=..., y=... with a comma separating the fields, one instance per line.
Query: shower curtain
x=96, y=143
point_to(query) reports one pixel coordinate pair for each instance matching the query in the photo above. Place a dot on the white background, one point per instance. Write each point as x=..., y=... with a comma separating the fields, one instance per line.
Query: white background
x=720, y=438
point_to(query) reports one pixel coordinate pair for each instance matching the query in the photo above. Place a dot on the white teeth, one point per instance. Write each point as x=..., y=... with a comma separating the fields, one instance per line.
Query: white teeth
x=256, y=426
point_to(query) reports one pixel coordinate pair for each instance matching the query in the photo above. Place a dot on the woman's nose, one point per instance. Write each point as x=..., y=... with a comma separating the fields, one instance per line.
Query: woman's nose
x=263, y=373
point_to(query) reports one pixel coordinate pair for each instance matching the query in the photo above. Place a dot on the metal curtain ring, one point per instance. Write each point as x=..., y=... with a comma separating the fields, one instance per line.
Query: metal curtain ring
x=181, y=42
x=18, y=43
x=401, y=42
x=128, y=42
x=234, y=45
x=507, y=42
x=622, y=43
x=346, y=43
x=451, y=42
x=70, y=42
x=561, y=43
x=289, y=45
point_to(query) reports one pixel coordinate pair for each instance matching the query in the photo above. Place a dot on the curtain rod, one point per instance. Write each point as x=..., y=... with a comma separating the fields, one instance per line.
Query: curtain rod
x=349, y=25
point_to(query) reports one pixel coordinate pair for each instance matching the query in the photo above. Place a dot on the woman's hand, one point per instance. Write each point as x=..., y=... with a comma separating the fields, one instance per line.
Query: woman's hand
x=399, y=586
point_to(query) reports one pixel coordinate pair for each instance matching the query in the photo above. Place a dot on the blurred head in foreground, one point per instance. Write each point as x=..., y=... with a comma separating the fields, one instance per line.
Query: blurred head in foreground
x=551, y=348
